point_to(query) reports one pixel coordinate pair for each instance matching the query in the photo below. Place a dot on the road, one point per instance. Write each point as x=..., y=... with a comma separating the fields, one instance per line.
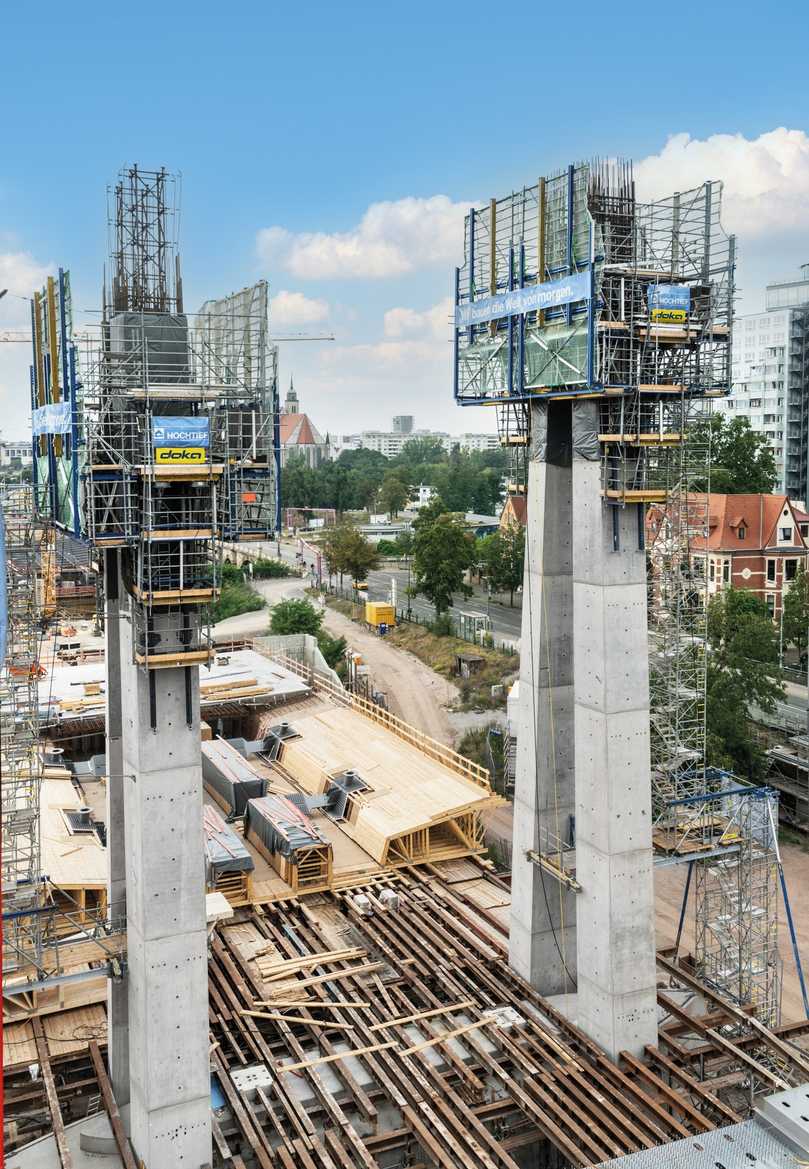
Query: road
x=505, y=619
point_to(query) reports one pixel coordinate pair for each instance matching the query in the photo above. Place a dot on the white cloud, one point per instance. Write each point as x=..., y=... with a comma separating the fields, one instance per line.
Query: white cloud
x=293, y=308
x=391, y=239
x=435, y=323
x=766, y=179
x=22, y=275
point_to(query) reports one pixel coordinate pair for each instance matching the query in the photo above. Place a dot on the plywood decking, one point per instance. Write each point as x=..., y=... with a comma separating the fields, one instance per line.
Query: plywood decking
x=72, y=861
x=65, y=1033
x=407, y=792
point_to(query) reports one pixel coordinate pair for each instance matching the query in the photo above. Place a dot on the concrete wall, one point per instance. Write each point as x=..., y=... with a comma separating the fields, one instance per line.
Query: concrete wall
x=542, y=938
x=118, y=627
x=301, y=646
x=583, y=743
x=617, y=1004
x=166, y=922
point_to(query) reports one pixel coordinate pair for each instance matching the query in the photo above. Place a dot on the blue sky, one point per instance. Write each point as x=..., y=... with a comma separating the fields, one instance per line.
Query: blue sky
x=301, y=118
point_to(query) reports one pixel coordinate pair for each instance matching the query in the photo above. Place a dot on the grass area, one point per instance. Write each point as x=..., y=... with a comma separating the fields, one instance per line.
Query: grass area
x=339, y=605
x=234, y=599
x=439, y=652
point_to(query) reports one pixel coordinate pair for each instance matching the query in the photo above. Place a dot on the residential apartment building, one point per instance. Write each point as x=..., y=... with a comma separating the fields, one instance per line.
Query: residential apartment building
x=754, y=542
x=390, y=443
x=770, y=376
x=15, y=454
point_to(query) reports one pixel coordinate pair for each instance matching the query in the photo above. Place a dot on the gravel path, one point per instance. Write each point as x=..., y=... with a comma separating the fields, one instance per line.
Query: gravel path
x=415, y=692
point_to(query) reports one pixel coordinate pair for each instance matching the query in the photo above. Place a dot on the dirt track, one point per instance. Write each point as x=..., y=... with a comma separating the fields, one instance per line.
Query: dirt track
x=415, y=692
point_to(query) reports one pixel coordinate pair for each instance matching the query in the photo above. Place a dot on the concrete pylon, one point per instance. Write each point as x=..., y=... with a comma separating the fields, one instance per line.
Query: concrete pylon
x=170, y=1105
x=583, y=744
x=542, y=936
x=617, y=995
x=118, y=634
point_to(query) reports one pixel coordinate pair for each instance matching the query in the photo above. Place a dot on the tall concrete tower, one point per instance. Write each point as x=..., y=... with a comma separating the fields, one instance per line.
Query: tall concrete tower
x=178, y=430
x=599, y=326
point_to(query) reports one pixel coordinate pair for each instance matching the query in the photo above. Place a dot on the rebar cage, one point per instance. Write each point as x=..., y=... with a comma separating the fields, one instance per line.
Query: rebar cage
x=524, y=326
x=178, y=424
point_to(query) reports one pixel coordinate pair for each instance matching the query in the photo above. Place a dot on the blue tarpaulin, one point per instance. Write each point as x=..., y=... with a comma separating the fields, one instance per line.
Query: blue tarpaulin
x=551, y=294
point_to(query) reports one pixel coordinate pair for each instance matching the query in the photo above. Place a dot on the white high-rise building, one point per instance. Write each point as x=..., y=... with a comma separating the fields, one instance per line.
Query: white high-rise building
x=770, y=377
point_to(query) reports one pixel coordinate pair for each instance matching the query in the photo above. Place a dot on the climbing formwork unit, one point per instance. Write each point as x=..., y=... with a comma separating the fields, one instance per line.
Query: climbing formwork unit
x=20, y=760
x=571, y=290
x=599, y=327
x=178, y=423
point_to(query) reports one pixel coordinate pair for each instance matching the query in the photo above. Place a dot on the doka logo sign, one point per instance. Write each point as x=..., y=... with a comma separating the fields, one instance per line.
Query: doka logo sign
x=669, y=316
x=180, y=454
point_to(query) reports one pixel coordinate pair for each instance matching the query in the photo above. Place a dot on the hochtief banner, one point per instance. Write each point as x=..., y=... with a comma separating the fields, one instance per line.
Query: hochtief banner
x=676, y=297
x=180, y=440
x=552, y=294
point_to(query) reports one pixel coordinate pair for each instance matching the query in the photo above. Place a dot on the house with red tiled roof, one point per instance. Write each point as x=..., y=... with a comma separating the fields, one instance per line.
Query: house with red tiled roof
x=752, y=542
x=299, y=434
x=514, y=513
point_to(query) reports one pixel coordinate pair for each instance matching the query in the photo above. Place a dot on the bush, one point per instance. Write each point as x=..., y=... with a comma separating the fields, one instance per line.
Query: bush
x=442, y=626
x=332, y=648
x=387, y=548
x=234, y=599
x=295, y=616
x=231, y=574
x=264, y=568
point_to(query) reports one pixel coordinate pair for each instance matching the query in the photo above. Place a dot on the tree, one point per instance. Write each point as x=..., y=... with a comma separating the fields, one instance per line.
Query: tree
x=360, y=555
x=235, y=598
x=505, y=560
x=347, y=550
x=423, y=450
x=442, y=552
x=298, y=482
x=404, y=543
x=742, y=461
x=334, y=546
x=295, y=616
x=393, y=493
x=742, y=672
x=796, y=612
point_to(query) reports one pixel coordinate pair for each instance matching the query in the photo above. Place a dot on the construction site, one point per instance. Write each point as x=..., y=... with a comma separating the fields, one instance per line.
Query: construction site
x=250, y=918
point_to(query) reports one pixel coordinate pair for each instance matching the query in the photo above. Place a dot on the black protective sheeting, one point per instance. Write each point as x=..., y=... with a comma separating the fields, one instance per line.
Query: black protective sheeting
x=227, y=773
x=225, y=852
x=280, y=826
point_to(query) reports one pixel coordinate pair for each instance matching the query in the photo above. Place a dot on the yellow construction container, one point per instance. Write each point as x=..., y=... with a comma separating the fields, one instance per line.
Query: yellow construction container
x=379, y=613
